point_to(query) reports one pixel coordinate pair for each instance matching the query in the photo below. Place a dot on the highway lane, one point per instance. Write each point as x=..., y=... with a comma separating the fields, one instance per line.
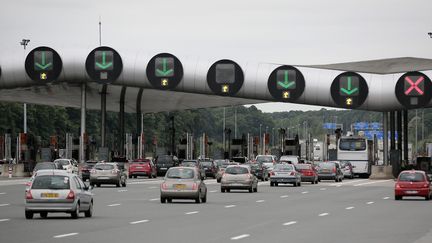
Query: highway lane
x=358, y=210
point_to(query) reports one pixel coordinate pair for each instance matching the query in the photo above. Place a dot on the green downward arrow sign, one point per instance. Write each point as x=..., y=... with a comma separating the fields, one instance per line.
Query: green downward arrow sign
x=286, y=83
x=349, y=91
x=43, y=65
x=104, y=64
x=165, y=71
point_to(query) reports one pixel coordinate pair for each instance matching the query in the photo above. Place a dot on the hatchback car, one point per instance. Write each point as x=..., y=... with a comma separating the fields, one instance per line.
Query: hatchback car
x=54, y=191
x=413, y=183
x=329, y=171
x=347, y=169
x=143, y=167
x=308, y=173
x=285, y=174
x=183, y=183
x=68, y=165
x=239, y=177
x=107, y=173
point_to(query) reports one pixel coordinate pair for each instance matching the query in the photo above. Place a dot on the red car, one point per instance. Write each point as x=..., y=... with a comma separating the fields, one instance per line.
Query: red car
x=143, y=167
x=413, y=183
x=308, y=173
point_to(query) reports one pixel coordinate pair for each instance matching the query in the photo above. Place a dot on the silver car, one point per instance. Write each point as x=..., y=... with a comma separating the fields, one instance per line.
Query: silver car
x=183, y=183
x=285, y=174
x=107, y=173
x=54, y=191
x=239, y=177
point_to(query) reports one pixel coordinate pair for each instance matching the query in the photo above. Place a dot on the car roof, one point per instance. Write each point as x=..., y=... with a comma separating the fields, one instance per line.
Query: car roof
x=244, y=166
x=107, y=163
x=413, y=171
x=53, y=172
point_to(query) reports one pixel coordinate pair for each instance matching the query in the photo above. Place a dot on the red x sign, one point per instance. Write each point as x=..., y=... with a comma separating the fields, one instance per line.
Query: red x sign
x=414, y=85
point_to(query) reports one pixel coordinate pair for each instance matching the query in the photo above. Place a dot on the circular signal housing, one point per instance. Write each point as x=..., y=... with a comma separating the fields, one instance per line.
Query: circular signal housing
x=225, y=77
x=413, y=90
x=349, y=90
x=104, y=65
x=164, y=71
x=286, y=83
x=43, y=64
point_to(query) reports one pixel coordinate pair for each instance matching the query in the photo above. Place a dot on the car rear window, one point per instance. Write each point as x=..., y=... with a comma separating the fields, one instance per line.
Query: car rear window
x=254, y=166
x=45, y=166
x=326, y=165
x=207, y=163
x=412, y=177
x=283, y=168
x=303, y=167
x=263, y=159
x=180, y=173
x=104, y=167
x=236, y=170
x=63, y=162
x=53, y=182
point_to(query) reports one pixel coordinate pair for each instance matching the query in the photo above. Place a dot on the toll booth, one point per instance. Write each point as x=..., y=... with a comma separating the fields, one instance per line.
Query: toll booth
x=292, y=146
x=239, y=147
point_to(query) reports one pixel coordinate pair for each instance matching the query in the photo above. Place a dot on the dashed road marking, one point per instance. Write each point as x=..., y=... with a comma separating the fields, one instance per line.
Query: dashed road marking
x=323, y=189
x=284, y=196
x=65, y=235
x=230, y=206
x=4, y=204
x=349, y=208
x=139, y=221
x=339, y=184
x=123, y=190
x=290, y=223
x=154, y=199
x=372, y=182
x=4, y=220
x=193, y=212
x=260, y=201
x=152, y=187
x=213, y=191
x=385, y=198
x=323, y=214
x=369, y=203
x=114, y=205
x=239, y=237
x=305, y=192
x=2, y=193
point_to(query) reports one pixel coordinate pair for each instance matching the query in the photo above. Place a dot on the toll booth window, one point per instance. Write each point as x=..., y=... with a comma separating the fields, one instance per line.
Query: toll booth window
x=225, y=73
x=43, y=60
x=286, y=79
x=164, y=67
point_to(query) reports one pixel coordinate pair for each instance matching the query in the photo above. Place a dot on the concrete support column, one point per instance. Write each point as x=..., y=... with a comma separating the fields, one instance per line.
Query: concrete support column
x=405, y=135
x=82, y=157
x=121, y=122
x=392, y=131
x=385, y=142
x=103, y=115
x=399, y=131
x=139, y=125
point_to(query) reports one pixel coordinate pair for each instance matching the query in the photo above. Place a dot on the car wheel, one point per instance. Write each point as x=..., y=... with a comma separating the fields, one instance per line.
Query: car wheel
x=163, y=200
x=98, y=185
x=222, y=190
x=256, y=189
x=89, y=212
x=118, y=184
x=266, y=179
x=299, y=184
x=130, y=177
x=228, y=190
x=197, y=200
x=271, y=184
x=295, y=184
x=398, y=197
x=124, y=184
x=276, y=184
x=92, y=184
x=427, y=198
x=251, y=189
x=218, y=180
x=28, y=215
x=75, y=214
x=204, y=199
x=169, y=200
x=44, y=215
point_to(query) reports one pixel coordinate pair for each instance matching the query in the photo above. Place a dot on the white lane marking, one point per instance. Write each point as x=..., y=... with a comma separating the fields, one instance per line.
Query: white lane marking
x=4, y=204
x=349, y=208
x=65, y=235
x=154, y=199
x=230, y=206
x=123, y=190
x=290, y=223
x=372, y=182
x=323, y=189
x=153, y=187
x=239, y=237
x=305, y=192
x=260, y=201
x=369, y=203
x=4, y=220
x=214, y=191
x=284, y=196
x=323, y=214
x=385, y=198
x=193, y=212
x=114, y=205
x=2, y=193
x=338, y=184
x=139, y=222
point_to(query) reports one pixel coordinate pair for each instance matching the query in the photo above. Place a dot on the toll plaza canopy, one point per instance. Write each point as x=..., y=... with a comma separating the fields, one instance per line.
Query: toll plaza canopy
x=165, y=81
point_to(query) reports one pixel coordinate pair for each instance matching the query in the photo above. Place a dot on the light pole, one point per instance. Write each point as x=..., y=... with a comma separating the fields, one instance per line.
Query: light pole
x=260, y=136
x=24, y=43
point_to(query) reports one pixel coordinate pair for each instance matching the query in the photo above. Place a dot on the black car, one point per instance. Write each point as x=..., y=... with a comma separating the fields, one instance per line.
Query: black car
x=209, y=168
x=84, y=170
x=259, y=170
x=164, y=162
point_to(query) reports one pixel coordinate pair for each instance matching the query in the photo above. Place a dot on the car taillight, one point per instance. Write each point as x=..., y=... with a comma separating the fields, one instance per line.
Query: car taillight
x=93, y=171
x=29, y=195
x=164, y=186
x=194, y=186
x=71, y=195
x=334, y=170
x=272, y=173
x=426, y=185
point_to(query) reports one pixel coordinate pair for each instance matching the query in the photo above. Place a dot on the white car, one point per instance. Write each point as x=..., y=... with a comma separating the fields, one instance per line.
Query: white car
x=291, y=159
x=68, y=165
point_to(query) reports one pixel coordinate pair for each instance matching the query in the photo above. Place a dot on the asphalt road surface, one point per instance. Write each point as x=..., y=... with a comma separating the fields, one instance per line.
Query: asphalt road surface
x=356, y=210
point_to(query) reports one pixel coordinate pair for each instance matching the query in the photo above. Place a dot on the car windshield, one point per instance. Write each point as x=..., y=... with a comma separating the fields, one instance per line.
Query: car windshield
x=62, y=162
x=352, y=144
x=236, y=170
x=304, y=167
x=51, y=182
x=264, y=159
x=412, y=177
x=44, y=166
x=326, y=165
x=104, y=167
x=283, y=168
x=254, y=166
x=180, y=173
x=206, y=163
x=165, y=159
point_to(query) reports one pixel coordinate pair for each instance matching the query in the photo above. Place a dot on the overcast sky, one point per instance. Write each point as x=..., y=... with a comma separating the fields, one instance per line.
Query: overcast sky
x=276, y=31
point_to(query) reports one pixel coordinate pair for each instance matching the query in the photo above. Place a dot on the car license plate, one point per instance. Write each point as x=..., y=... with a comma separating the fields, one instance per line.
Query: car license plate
x=139, y=167
x=103, y=178
x=411, y=192
x=180, y=186
x=49, y=195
